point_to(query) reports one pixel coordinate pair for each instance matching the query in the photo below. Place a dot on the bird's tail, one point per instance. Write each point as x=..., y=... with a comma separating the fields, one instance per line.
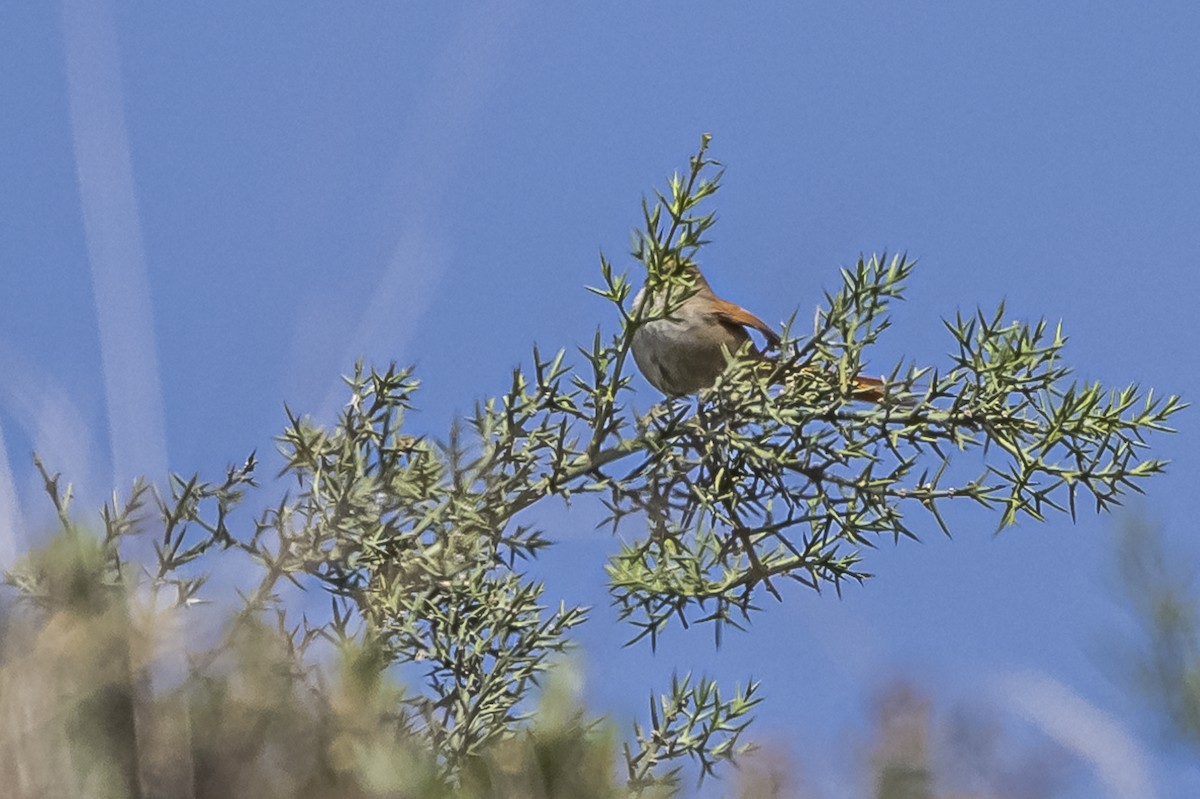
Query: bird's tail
x=870, y=389
x=867, y=389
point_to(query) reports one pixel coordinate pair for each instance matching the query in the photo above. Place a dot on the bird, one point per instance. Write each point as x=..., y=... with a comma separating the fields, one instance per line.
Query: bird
x=684, y=351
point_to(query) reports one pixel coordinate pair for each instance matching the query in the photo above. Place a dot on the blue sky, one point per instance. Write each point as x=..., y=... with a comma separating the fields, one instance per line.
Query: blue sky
x=207, y=210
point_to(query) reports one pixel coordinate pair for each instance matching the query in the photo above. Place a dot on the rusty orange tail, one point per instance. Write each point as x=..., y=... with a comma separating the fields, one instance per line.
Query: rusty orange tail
x=867, y=389
x=871, y=389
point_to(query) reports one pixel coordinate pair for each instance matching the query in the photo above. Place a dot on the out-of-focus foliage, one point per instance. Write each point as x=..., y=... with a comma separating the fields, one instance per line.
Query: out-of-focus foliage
x=1161, y=593
x=775, y=474
x=959, y=753
x=247, y=718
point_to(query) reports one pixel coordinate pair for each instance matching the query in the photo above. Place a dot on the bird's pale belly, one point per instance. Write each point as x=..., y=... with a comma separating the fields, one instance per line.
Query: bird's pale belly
x=675, y=359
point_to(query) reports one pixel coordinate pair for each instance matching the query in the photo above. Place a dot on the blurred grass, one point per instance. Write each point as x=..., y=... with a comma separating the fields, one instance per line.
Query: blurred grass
x=79, y=716
x=104, y=695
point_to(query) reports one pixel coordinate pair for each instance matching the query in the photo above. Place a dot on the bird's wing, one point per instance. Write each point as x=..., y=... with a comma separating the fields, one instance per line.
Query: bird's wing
x=729, y=314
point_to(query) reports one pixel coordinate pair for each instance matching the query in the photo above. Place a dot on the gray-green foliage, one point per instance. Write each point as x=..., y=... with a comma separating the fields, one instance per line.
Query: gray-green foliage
x=422, y=542
x=757, y=481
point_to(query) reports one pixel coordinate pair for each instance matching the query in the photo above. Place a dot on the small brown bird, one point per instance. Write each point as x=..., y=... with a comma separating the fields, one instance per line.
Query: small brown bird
x=685, y=351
